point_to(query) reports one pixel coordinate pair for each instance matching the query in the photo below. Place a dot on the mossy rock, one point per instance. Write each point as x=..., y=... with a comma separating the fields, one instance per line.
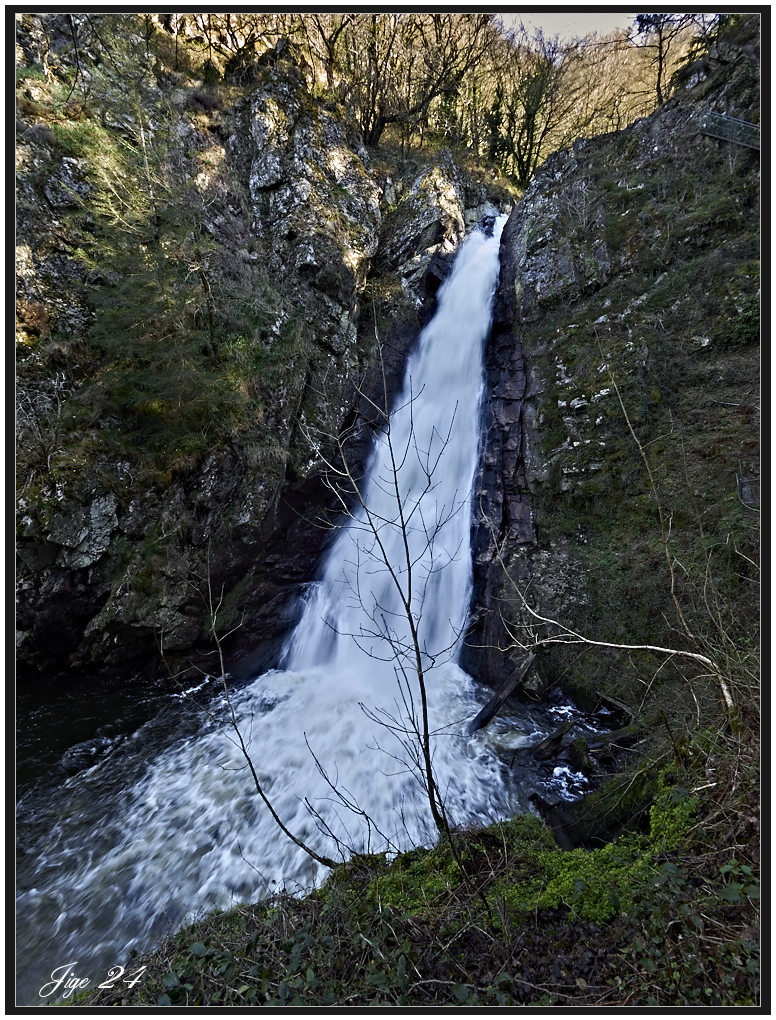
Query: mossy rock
x=620, y=805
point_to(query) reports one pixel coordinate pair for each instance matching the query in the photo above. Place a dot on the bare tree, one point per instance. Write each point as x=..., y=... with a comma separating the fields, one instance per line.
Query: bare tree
x=399, y=64
x=660, y=33
x=608, y=74
x=393, y=635
x=534, y=103
x=386, y=634
x=324, y=33
x=40, y=422
x=215, y=608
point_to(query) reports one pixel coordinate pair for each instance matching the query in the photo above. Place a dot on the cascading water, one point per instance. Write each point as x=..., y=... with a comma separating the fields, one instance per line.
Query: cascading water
x=170, y=824
x=418, y=488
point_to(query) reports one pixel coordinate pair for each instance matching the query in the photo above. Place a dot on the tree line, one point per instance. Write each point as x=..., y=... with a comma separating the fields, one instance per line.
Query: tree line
x=506, y=94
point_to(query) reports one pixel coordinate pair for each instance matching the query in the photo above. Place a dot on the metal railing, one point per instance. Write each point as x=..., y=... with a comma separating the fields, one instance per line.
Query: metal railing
x=730, y=129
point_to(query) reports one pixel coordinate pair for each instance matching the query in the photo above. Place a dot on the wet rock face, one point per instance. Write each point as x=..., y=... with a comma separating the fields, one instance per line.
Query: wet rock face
x=626, y=259
x=503, y=511
x=558, y=250
x=553, y=253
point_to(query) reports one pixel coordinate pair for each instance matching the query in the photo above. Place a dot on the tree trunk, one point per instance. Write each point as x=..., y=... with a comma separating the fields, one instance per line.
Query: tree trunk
x=495, y=704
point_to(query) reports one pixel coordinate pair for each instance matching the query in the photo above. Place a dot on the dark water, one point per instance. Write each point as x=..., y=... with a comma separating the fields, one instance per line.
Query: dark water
x=68, y=722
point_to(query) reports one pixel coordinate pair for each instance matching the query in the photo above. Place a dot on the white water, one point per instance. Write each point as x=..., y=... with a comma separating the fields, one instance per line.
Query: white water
x=123, y=858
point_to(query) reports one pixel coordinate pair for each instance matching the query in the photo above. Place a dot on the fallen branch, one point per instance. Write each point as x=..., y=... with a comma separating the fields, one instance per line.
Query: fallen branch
x=496, y=703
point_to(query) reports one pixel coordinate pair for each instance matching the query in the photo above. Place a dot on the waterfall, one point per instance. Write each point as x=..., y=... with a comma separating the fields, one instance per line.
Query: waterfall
x=155, y=834
x=417, y=489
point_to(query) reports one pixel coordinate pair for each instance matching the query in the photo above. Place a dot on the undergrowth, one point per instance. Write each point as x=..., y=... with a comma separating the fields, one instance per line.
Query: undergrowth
x=662, y=918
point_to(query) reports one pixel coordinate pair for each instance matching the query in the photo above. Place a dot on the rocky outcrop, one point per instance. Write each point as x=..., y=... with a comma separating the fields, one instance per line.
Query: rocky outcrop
x=612, y=283
x=432, y=209
x=115, y=558
x=425, y=229
x=107, y=556
x=430, y=222
x=314, y=200
x=83, y=533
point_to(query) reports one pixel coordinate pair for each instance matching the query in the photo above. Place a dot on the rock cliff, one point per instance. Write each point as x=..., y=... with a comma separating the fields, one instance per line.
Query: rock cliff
x=628, y=312
x=246, y=251
x=267, y=256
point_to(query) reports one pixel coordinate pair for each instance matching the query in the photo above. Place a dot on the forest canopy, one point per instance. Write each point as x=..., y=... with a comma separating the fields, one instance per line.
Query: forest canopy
x=506, y=94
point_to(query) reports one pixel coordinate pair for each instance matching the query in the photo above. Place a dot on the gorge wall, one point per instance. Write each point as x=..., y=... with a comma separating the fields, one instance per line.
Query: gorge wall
x=269, y=260
x=631, y=264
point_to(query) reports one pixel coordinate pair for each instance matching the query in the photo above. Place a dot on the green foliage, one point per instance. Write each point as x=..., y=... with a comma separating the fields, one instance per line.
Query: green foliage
x=417, y=880
x=86, y=139
x=622, y=923
x=747, y=326
x=181, y=338
x=672, y=813
x=740, y=882
x=156, y=357
x=676, y=961
x=597, y=884
x=33, y=72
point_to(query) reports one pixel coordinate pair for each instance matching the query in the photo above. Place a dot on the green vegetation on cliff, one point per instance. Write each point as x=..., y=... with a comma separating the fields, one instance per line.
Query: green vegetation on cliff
x=183, y=320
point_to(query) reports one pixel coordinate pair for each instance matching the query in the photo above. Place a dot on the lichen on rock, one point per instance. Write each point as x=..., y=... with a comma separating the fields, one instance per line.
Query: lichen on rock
x=84, y=532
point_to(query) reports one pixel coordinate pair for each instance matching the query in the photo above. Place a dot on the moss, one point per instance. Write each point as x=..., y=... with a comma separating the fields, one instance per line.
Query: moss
x=228, y=606
x=669, y=327
x=746, y=329
x=416, y=881
x=598, y=884
x=672, y=813
x=33, y=71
